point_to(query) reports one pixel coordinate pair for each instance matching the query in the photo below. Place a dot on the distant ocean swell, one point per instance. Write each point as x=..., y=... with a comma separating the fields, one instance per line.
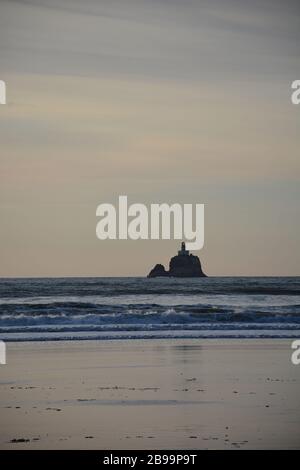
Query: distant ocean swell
x=128, y=308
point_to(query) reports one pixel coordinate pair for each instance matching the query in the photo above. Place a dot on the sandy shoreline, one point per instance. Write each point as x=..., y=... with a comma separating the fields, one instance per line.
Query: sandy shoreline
x=150, y=394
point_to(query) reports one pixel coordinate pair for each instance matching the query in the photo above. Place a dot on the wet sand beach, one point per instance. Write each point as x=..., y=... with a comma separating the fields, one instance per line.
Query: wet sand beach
x=150, y=394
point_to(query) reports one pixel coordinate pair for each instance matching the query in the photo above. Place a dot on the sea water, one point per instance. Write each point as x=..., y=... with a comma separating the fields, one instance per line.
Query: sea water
x=110, y=308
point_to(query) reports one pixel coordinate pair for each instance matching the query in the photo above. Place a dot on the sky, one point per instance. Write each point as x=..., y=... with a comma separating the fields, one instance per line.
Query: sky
x=159, y=100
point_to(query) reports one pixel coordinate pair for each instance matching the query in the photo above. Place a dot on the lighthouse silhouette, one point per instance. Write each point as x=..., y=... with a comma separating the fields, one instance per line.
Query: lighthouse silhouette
x=183, y=251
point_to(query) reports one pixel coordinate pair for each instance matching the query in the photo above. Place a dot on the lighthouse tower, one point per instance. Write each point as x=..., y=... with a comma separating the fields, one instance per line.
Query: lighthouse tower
x=183, y=251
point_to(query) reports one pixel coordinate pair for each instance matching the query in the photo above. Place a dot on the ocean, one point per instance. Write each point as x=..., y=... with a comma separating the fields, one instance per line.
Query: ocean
x=42, y=309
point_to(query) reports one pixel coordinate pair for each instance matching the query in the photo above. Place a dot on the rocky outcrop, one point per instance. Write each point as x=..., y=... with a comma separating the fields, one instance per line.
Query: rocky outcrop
x=185, y=266
x=182, y=265
x=158, y=271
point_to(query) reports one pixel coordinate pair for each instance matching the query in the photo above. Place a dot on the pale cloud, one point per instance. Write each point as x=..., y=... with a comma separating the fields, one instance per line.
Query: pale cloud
x=160, y=100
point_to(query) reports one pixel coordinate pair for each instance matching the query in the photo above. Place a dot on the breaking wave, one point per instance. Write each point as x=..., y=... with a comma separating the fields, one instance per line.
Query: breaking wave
x=56, y=309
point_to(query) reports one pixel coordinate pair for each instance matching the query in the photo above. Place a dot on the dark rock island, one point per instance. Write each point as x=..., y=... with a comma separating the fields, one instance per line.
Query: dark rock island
x=182, y=265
